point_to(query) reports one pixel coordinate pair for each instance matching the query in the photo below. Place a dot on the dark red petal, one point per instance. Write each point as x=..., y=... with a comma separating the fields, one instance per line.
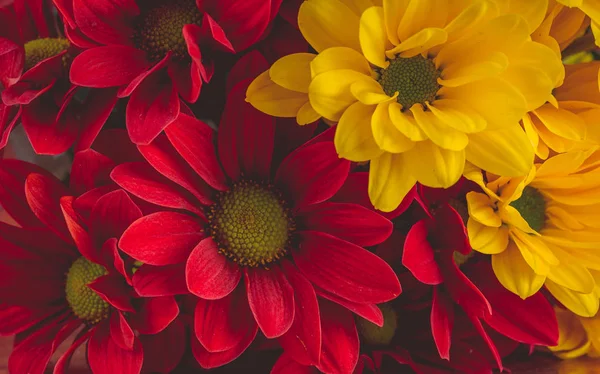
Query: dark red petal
x=37, y=242
x=120, y=331
x=370, y=312
x=303, y=339
x=210, y=33
x=243, y=23
x=194, y=141
x=210, y=360
x=160, y=357
x=287, y=365
x=31, y=355
x=84, y=204
x=271, y=299
x=350, y=222
x=151, y=108
x=463, y=291
x=48, y=134
x=344, y=269
x=35, y=82
x=114, y=291
x=112, y=214
x=442, y=321
x=289, y=136
x=248, y=67
x=16, y=319
x=165, y=159
x=418, y=256
x=105, y=21
x=64, y=361
x=79, y=233
x=106, y=357
x=115, y=144
x=110, y=66
x=486, y=338
x=162, y=238
x=245, y=137
x=155, y=314
x=12, y=59
x=220, y=325
x=113, y=260
x=340, y=339
x=90, y=169
x=186, y=79
x=98, y=105
x=43, y=195
x=209, y=274
x=155, y=69
x=150, y=281
x=312, y=174
x=8, y=119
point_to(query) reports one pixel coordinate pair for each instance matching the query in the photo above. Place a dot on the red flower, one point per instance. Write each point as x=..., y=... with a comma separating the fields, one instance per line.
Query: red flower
x=252, y=225
x=157, y=51
x=77, y=236
x=34, y=64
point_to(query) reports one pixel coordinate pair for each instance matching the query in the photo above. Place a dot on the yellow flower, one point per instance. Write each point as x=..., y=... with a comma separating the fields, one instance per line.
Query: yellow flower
x=578, y=336
x=592, y=9
x=542, y=229
x=418, y=87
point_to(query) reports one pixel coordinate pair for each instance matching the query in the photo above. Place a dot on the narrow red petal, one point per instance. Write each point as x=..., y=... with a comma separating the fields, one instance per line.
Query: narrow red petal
x=340, y=339
x=120, y=331
x=43, y=195
x=418, y=256
x=114, y=291
x=106, y=357
x=442, y=320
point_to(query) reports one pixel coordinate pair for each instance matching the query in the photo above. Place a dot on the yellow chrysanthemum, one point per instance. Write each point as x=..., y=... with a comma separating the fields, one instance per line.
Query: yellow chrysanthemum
x=561, y=26
x=542, y=229
x=592, y=9
x=417, y=86
x=578, y=336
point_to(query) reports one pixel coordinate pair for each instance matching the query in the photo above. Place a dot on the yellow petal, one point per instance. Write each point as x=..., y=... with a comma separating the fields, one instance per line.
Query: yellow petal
x=330, y=94
x=457, y=115
x=419, y=43
x=437, y=131
x=393, y=11
x=306, y=114
x=339, y=58
x=468, y=18
x=386, y=134
x=485, y=239
x=515, y=274
x=389, y=181
x=572, y=337
x=422, y=14
x=505, y=152
x=535, y=252
x=433, y=166
x=293, y=71
x=373, y=37
x=512, y=217
x=268, y=97
x=369, y=92
x=458, y=73
x=328, y=23
x=482, y=210
x=533, y=84
x=585, y=305
x=572, y=276
x=405, y=123
x=562, y=122
x=533, y=11
x=353, y=137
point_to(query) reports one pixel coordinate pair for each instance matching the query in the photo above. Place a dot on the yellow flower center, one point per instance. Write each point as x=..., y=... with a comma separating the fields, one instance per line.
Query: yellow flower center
x=85, y=302
x=159, y=28
x=378, y=336
x=532, y=207
x=251, y=224
x=40, y=49
x=414, y=78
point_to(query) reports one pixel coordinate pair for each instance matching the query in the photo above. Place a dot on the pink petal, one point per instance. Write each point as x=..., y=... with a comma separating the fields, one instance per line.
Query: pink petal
x=112, y=214
x=210, y=360
x=155, y=314
x=442, y=320
x=271, y=299
x=106, y=357
x=43, y=195
x=340, y=339
x=160, y=357
x=344, y=269
x=120, y=331
x=114, y=291
x=220, y=325
x=209, y=274
x=312, y=174
x=151, y=281
x=162, y=238
x=90, y=169
x=418, y=256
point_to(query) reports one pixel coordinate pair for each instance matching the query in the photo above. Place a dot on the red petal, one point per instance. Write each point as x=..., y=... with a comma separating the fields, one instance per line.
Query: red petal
x=464, y=292
x=43, y=195
x=289, y=136
x=80, y=235
x=345, y=269
x=114, y=291
x=114, y=261
x=106, y=357
x=115, y=144
x=65, y=360
x=112, y=214
x=155, y=314
x=151, y=108
x=133, y=85
x=8, y=119
x=105, y=21
x=150, y=281
x=303, y=339
x=35, y=82
x=98, y=106
x=16, y=319
x=479, y=327
x=109, y=66
x=162, y=238
x=186, y=79
x=271, y=299
x=209, y=274
x=350, y=222
x=418, y=256
x=245, y=137
x=370, y=312
x=312, y=174
x=287, y=365
x=220, y=325
x=212, y=360
x=160, y=357
x=210, y=34
x=248, y=67
x=194, y=140
x=120, y=331
x=340, y=339
x=90, y=169
x=12, y=59
x=442, y=320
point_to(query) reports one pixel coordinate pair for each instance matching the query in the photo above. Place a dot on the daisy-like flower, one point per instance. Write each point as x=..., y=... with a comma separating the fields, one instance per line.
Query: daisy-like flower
x=251, y=225
x=418, y=87
x=542, y=229
x=579, y=336
x=592, y=9
x=64, y=276
x=157, y=51
x=34, y=65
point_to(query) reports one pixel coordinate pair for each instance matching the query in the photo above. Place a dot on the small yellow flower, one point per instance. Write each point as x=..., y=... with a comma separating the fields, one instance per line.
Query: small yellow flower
x=592, y=9
x=418, y=87
x=543, y=229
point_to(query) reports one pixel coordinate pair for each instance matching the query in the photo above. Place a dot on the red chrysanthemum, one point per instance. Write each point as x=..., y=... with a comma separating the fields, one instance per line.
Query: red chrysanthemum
x=157, y=51
x=34, y=65
x=66, y=275
x=251, y=224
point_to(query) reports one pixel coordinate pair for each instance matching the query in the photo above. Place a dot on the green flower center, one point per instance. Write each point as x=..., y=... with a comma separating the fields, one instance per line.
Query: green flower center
x=414, y=78
x=532, y=207
x=378, y=336
x=40, y=49
x=85, y=302
x=251, y=224
x=159, y=28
